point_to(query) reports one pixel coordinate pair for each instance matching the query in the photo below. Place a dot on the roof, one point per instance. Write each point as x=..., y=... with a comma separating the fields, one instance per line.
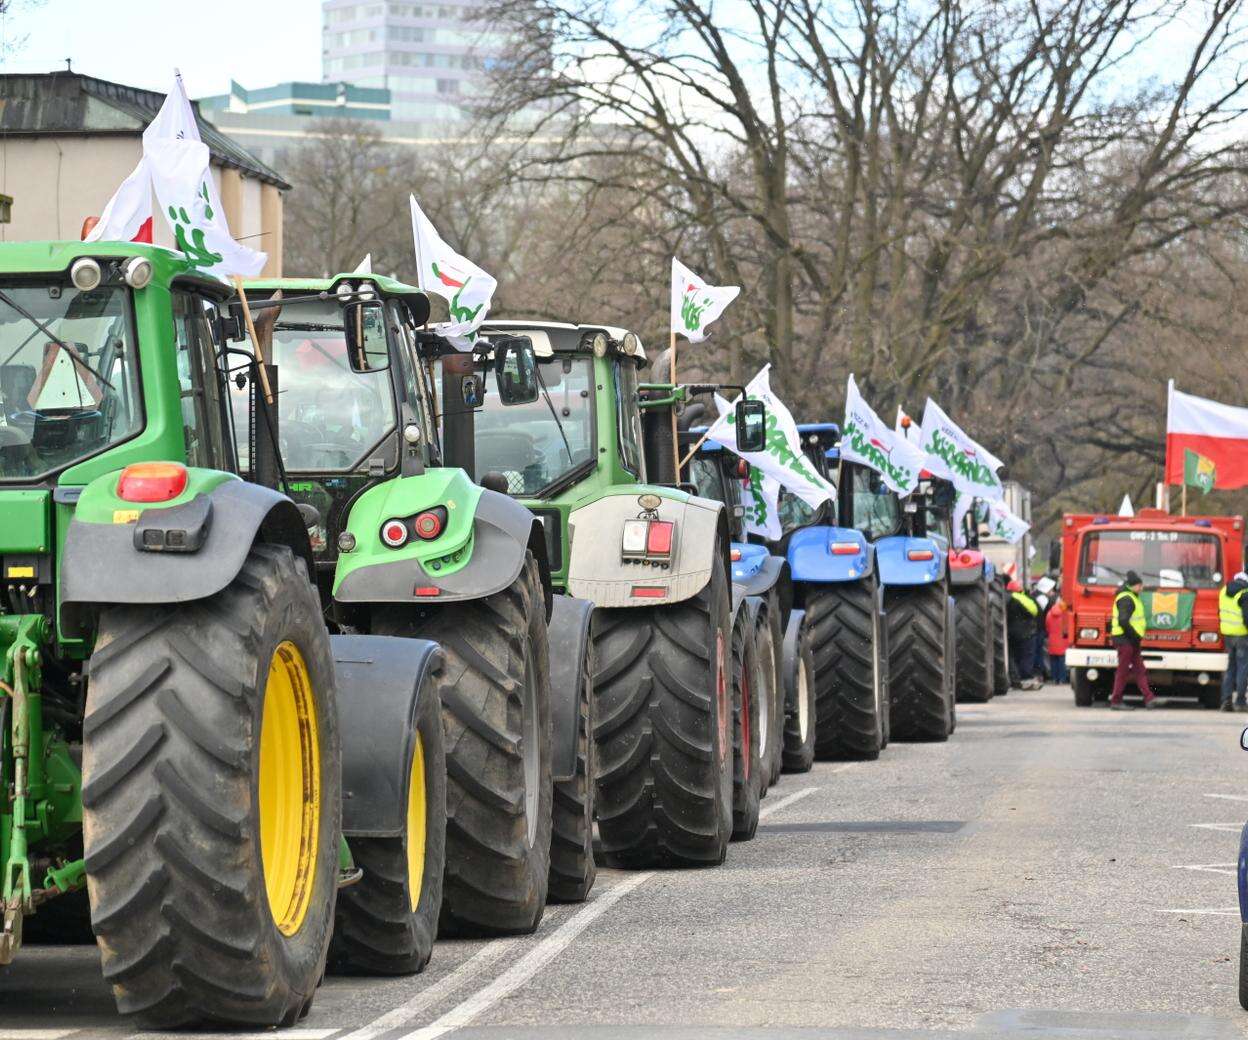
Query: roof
x=71, y=103
x=561, y=334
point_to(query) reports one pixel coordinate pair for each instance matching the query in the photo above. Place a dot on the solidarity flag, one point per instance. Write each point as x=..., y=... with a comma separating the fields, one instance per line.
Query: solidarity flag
x=695, y=304
x=1199, y=471
x=365, y=266
x=955, y=456
x=1169, y=611
x=1216, y=433
x=782, y=459
x=176, y=165
x=865, y=439
x=1004, y=524
x=466, y=288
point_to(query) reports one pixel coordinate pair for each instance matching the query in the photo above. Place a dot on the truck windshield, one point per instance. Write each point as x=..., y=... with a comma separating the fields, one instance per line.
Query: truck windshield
x=525, y=442
x=1164, y=559
x=331, y=417
x=69, y=381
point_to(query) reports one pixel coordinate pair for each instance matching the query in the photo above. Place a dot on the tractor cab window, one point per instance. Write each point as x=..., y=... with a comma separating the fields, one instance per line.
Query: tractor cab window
x=876, y=511
x=199, y=383
x=69, y=377
x=629, y=416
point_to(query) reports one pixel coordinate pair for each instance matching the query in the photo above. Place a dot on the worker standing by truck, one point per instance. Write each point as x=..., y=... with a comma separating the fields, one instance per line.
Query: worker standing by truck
x=1055, y=628
x=1233, y=623
x=1127, y=626
x=1021, y=613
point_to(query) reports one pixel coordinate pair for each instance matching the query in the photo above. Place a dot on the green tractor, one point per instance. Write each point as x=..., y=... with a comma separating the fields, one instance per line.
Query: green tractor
x=672, y=642
x=182, y=744
x=406, y=546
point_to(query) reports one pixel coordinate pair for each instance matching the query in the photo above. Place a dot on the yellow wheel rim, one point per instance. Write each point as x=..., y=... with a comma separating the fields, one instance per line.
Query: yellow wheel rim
x=416, y=824
x=290, y=788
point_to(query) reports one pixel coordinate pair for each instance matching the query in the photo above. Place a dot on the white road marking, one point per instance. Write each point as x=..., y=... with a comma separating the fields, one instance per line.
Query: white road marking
x=1211, y=868
x=1230, y=828
x=440, y=990
x=285, y=1034
x=530, y=964
x=1233, y=911
x=1230, y=797
x=36, y=1034
x=786, y=801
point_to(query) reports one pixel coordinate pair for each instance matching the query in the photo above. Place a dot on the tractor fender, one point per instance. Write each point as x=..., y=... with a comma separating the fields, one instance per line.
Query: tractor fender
x=570, y=641
x=101, y=564
x=597, y=573
x=502, y=529
x=760, y=572
x=380, y=682
x=897, y=568
x=811, y=557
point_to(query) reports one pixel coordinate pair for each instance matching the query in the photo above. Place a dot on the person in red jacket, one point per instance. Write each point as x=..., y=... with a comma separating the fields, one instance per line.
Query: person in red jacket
x=1058, y=640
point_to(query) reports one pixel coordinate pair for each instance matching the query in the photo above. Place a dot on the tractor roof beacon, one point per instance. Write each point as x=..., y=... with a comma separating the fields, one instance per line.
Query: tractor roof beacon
x=159, y=639
x=653, y=559
x=407, y=546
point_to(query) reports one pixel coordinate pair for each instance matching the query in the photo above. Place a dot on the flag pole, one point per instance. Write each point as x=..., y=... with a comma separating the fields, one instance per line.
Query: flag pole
x=255, y=340
x=675, y=434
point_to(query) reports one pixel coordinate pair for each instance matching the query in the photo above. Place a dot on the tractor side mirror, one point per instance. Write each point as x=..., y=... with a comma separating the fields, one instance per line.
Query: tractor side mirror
x=365, y=324
x=515, y=370
x=751, y=425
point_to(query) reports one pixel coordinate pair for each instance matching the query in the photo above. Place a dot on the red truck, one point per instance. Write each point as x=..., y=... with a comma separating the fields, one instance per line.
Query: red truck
x=1184, y=561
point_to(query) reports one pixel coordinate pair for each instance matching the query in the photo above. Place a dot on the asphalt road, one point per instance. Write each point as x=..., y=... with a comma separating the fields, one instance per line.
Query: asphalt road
x=1050, y=872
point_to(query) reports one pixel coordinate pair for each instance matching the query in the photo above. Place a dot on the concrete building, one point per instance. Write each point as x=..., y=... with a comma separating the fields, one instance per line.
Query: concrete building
x=429, y=55
x=302, y=100
x=67, y=141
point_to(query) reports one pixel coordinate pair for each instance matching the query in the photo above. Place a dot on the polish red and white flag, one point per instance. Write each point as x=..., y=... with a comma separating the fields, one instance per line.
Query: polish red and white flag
x=1210, y=428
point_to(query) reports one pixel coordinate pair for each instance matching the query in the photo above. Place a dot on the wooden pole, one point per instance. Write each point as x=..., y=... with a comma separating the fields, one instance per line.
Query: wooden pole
x=255, y=340
x=1183, y=499
x=675, y=435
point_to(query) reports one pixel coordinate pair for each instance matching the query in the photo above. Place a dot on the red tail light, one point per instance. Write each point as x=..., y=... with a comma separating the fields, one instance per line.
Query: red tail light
x=844, y=548
x=965, y=558
x=430, y=523
x=649, y=591
x=920, y=554
x=151, y=482
x=427, y=590
x=659, y=538
x=394, y=533
x=734, y=555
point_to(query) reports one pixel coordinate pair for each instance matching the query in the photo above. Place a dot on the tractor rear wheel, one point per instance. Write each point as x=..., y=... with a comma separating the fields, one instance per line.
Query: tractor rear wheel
x=747, y=768
x=664, y=730
x=1000, y=670
x=211, y=800
x=767, y=639
x=920, y=705
x=844, y=621
x=799, y=696
x=973, y=634
x=387, y=921
x=495, y=696
x=572, y=868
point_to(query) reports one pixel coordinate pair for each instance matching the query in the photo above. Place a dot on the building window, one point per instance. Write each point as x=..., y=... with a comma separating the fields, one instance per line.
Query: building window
x=448, y=86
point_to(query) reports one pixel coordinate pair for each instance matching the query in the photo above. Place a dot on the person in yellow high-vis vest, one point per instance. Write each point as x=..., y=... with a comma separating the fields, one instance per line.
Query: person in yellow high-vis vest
x=1233, y=623
x=1127, y=624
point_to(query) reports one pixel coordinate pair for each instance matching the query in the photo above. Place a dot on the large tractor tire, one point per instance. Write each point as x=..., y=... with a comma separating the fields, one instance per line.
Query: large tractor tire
x=974, y=641
x=920, y=704
x=844, y=622
x=1000, y=668
x=387, y=921
x=664, y=730
x=799, y=696
x=747, y=765
x=572, y=867
x=767, y=641
x=211, y=800
x=495, y=698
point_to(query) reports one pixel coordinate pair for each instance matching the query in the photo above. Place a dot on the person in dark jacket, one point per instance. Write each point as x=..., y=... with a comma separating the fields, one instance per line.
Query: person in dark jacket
x=1021, y=612
x=1233, y=624
x=1127, y=625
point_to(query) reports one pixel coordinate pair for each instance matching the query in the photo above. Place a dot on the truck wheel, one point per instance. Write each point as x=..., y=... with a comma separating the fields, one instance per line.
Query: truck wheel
x=916, y=647
x=973, y=635
x=664, y=730
x=495, y=696
x=1082, y=686
x=767, y=638
x=747, y=766
x=572, y=868
x=211, y=800
x=1000, y=670
x=799, y=697
x=387, y=921
x=845, y=627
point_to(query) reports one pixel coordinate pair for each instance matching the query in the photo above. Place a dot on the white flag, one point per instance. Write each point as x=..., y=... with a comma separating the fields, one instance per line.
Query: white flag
x=466, y=288
x=1126, y=508
x=1004, y=524
x=782, y=458
x=695, y=304
x=956, y=457
x=961, y=506
x=865, y=439
x=128, y=215
x=365, y=266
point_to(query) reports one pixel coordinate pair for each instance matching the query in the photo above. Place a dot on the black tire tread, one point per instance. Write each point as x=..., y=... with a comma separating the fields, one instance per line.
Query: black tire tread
x=841, y=621
x=916, y=646
x=572, y=866
x=973, y=634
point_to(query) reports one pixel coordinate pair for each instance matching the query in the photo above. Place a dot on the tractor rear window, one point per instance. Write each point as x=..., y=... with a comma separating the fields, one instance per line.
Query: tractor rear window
x=69, y=377
x=1164, y=559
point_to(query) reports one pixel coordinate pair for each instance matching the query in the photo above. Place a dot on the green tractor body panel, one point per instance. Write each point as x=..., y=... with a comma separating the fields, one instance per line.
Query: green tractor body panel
x=27, y=516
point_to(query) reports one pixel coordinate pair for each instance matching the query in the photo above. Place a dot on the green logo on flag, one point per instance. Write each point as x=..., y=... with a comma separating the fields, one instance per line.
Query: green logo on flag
x=691, y=310
x=1199, y=471
x=1169, y=611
